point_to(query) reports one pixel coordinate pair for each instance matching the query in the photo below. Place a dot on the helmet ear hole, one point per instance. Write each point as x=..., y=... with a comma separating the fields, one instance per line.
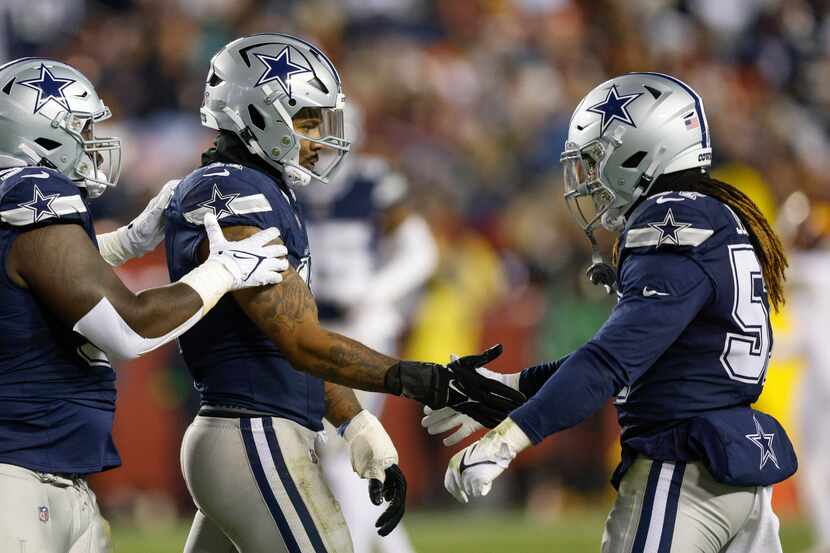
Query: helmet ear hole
x=634, y=160
x=214, y=79
x=256, y=117
x=47, y=144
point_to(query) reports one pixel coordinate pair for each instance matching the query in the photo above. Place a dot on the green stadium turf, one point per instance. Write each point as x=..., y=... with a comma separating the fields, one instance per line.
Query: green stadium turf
x=457, y=532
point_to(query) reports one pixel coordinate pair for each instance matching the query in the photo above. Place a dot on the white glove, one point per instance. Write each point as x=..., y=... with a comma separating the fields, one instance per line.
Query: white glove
x=472, y=470
x=249, y=261
x=234, y=265
x=447, y=418
x=370, y=448
x=142, y=234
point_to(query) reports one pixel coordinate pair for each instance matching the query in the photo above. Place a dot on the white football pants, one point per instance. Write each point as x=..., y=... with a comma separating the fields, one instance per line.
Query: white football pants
x=259, y=488
x=46, y=513
x=667, y=507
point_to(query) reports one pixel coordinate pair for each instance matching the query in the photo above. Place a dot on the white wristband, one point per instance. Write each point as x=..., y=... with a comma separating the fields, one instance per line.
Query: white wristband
x=211, y=280
x=510, y=434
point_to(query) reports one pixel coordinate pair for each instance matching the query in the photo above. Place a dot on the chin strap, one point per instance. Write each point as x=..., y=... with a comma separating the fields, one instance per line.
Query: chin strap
x=600, y=272
x=294, y=176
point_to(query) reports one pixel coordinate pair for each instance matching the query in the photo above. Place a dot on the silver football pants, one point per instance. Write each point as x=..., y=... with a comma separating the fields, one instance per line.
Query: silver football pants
x=47, y=513
x=259, y=488
x=666, y=507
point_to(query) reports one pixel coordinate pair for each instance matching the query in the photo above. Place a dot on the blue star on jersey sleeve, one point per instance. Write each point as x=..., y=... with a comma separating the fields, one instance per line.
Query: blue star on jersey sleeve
x=234, y=196
x=672, y=220
x=34, y=196
x=237, y=196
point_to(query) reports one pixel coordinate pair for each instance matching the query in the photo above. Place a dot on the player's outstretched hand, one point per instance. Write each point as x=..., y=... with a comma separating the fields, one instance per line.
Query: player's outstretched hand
x=484, y=399
x=445, y=419
x=146, y=231
x=472, y=470
x=458, y=385
x=393, y=490
x=140, y=235
x=251, y=261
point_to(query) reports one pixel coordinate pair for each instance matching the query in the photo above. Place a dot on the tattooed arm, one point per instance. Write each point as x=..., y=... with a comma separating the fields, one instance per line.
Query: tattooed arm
x=288, y=315
x=341, y=404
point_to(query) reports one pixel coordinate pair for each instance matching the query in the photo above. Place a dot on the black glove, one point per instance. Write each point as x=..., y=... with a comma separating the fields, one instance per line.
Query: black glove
x=485, y=400
x=457, y=385
x=393, y=489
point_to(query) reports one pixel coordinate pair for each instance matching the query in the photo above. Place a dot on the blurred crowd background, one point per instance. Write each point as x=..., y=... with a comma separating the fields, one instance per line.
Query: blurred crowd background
x=470, y=100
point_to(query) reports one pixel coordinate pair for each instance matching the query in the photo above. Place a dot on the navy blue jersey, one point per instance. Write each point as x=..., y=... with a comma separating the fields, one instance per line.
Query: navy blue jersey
x=688, y=342
x=232, y=362
x=344, y=231
x=57, y=391
x=704, y=304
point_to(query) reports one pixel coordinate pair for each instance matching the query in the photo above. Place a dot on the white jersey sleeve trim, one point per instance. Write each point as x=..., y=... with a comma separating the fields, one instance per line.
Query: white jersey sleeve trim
x=62, y=205
x=690, y=236
x=240, y=205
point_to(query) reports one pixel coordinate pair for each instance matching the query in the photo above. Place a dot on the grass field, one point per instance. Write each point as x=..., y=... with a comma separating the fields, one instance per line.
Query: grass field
x=456, y=532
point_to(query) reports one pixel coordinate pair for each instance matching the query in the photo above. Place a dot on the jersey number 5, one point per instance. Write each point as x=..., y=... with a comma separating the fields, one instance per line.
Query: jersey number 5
x=746, y=353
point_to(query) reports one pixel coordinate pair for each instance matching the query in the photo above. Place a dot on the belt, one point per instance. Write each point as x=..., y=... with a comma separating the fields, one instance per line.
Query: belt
x=231, y=412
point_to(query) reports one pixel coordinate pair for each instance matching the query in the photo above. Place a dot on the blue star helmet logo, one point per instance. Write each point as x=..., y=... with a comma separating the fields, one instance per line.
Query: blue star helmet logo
x=280, y=69
x=764, y=443
x=48, y=87
x=614, y=107
x=668, y=229
x=219, y=204
x=40, y=206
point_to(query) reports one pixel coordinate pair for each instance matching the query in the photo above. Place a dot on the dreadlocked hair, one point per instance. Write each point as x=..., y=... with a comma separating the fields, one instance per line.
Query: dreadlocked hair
x=764, y=241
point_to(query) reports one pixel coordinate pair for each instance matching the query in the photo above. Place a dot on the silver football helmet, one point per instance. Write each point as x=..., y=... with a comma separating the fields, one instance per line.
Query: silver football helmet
x=622, y=136
x=256, y=85
x=48, y=112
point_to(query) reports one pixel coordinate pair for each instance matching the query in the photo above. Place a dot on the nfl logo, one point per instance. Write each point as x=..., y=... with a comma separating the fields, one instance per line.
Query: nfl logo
x=43, y=513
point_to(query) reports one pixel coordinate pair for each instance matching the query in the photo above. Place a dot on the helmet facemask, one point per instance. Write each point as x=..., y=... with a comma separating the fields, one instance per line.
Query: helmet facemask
x=590, y=200
x=99, y=165
x=329, y=134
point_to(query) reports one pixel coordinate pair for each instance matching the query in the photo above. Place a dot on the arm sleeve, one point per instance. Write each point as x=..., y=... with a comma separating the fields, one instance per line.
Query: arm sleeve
x=661, y=294
x=104, y=327
x=533, y=378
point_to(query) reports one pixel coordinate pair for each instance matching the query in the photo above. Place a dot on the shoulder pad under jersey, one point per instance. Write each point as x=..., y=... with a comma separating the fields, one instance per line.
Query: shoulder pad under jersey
x=235, y=194
x=676, y=221
x=38, y=196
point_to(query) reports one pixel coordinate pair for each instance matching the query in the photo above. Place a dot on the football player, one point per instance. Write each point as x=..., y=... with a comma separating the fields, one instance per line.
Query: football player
x=372, y=255
x=684, y=351
x=260, y=360
x=64, y=310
